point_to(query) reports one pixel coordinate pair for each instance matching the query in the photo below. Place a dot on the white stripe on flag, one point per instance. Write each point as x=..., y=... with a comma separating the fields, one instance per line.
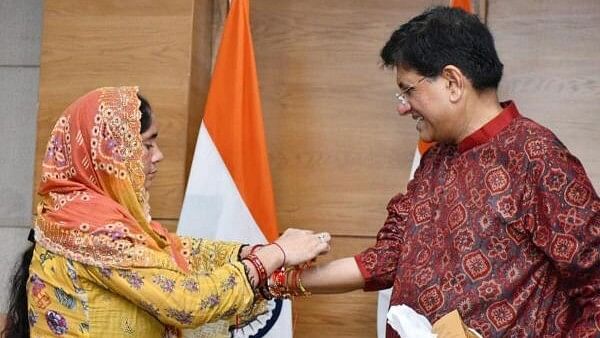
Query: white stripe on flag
x=213, y=208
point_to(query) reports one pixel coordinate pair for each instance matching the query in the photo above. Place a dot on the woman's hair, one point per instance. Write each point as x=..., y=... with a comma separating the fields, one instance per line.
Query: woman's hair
x=17, y=322
x=146, y=111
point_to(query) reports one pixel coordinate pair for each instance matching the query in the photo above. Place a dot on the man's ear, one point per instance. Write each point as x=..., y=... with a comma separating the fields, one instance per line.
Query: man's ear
x=455, y=82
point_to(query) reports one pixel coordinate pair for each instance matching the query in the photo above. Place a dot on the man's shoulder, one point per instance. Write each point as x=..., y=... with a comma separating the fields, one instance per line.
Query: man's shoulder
x=532, y=128
x=526, y=133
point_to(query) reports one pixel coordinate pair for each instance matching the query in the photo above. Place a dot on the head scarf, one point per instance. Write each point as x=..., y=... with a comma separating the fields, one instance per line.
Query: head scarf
x=94, y=206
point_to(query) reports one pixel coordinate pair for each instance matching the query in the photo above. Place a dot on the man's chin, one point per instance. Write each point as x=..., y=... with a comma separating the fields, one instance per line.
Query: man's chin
x=425, y=137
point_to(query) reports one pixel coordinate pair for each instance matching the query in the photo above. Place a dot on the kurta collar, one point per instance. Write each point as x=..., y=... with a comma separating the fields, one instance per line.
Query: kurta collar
x=492, y=128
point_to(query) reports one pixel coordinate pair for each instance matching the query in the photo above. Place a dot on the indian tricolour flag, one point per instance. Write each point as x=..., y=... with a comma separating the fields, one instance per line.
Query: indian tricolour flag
x=383, y=301
x=229, y=195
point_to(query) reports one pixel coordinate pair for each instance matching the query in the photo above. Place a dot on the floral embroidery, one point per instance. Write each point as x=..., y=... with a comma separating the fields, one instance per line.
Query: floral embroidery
x=166, y=284
x=488, y=157
x=105, y=272
x=84, y=327
x=150, y=308
x=465, y=307
x=229, y=283
x=555, y=179
x=133, y=278
x=423, y=277
x=482, y=327
x=531, y=214
x=37, y=284
x=190, y=285
x=570, y=220
x=47, y=255
x=489, y=290
x=171, y=332
x=40, y=297
x=73, y=276
x=513, y=273
x=517, y=332
x=56, y=322
x=97, y=140
x=127, y=327
x=464, y=240
x=184, y=317
x=209, y=302
x=456, y=282
x=64, y=298
x=32, y=317
x=497, y=247
x=507, y=207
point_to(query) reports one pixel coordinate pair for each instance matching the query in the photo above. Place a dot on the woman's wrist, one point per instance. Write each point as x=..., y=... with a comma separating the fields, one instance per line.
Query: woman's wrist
x=271, y=256
x=250, y=273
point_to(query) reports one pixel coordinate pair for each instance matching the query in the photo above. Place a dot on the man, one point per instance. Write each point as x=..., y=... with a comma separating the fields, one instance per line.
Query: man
x=500, y=221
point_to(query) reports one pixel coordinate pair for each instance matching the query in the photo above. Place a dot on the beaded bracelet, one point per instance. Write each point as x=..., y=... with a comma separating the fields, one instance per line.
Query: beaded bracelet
x=285, y=283
x=277, y=284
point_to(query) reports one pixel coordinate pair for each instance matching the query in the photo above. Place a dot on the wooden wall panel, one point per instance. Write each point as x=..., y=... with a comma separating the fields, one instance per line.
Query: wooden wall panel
x=550, y=51
x=201, y=69
x=89, y=44
x=338, y=149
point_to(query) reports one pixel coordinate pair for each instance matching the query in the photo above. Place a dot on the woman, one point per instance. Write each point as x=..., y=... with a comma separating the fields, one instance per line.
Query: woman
x=100, y=265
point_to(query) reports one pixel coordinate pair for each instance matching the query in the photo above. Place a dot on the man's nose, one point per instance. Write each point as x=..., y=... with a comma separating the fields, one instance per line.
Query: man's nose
x=403, y=108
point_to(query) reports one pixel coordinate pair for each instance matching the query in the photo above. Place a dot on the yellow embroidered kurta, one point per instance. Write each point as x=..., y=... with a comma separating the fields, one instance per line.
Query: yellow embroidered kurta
x=70, y=299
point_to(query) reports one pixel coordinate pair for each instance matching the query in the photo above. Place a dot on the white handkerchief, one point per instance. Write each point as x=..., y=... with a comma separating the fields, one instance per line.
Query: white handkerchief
x=409, y=324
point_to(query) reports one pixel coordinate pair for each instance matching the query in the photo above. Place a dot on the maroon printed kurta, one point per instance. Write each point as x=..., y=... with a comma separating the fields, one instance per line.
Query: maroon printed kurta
x=504, y=227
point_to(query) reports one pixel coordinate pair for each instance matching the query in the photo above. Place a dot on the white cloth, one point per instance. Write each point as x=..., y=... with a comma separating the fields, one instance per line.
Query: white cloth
x=408, y=323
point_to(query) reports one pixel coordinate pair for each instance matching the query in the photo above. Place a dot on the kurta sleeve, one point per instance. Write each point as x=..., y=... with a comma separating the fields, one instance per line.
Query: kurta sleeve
x=206, y=255
x=180, y=299
x=567, y=228
x=378, y=263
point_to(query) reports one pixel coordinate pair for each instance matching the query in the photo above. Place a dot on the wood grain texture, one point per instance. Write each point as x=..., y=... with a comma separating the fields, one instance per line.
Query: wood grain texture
x=337, y=148
x=550, y=51
x=201, y=69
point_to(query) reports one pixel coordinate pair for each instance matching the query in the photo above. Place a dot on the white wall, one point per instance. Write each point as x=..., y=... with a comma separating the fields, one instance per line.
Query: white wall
x=20, y=28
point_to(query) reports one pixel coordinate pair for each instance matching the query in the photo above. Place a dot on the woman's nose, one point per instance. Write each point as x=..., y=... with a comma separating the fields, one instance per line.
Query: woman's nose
x=157, y=156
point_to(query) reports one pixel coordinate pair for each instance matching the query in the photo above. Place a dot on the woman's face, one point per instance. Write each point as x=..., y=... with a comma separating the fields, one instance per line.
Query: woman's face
x=152, y=153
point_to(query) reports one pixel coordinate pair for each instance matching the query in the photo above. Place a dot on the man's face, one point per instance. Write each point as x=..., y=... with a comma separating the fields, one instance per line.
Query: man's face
x=427, y=102
x=152, y=153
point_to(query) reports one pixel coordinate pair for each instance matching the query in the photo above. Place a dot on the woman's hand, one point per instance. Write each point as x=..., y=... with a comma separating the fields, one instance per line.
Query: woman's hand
x=294, y=247
x=303, y=245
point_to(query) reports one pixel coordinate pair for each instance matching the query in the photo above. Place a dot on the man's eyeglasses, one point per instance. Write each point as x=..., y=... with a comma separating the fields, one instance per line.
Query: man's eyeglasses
x=402, y=96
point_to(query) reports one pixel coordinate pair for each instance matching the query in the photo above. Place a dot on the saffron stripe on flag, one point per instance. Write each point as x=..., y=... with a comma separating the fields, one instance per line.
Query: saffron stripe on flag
x=229, y=195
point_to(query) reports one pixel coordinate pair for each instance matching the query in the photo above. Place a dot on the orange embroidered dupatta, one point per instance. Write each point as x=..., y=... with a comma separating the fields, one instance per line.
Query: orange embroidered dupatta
x=94, y=206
